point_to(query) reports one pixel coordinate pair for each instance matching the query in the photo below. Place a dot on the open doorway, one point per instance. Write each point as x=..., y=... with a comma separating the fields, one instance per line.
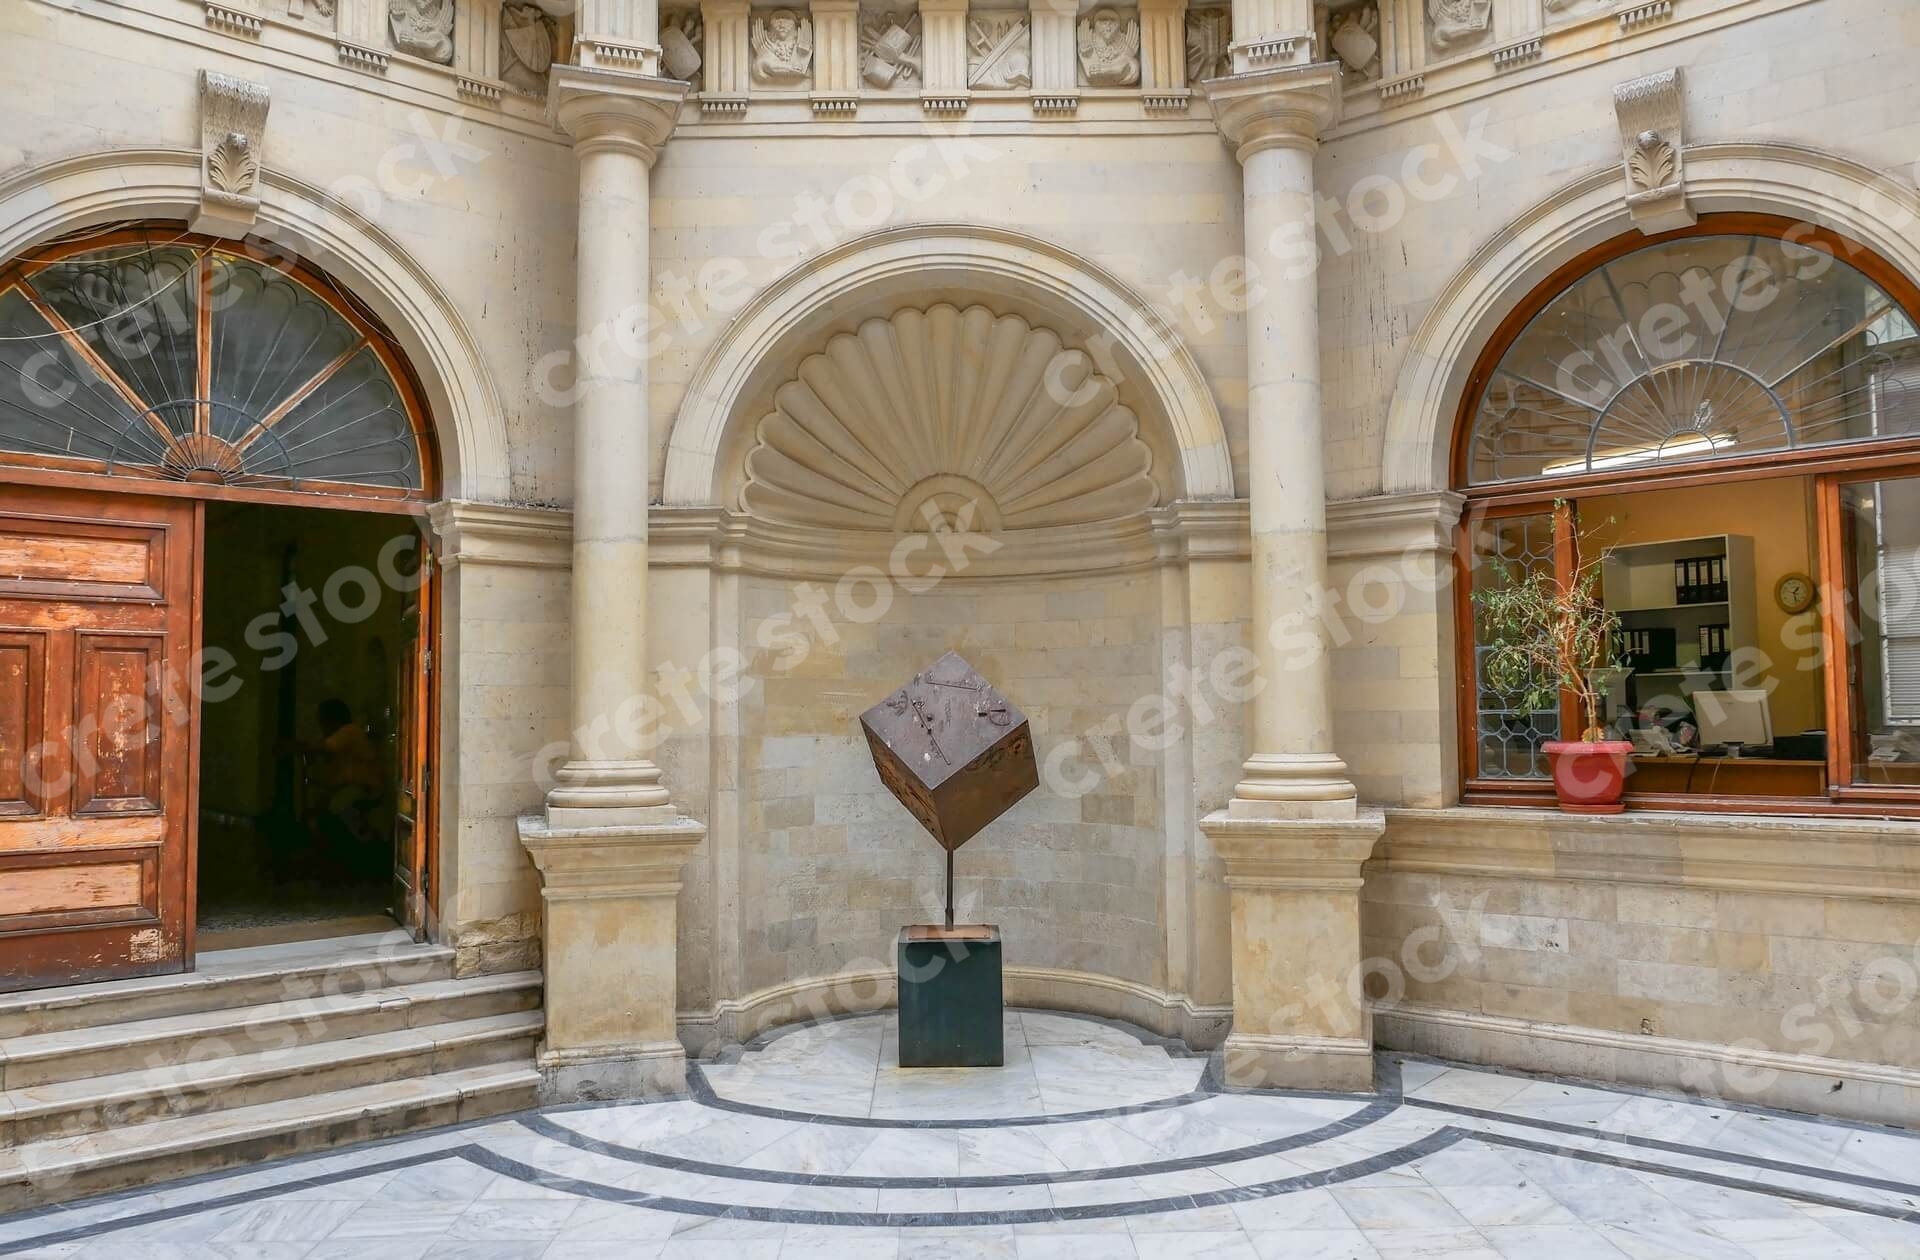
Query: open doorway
x=310, y=739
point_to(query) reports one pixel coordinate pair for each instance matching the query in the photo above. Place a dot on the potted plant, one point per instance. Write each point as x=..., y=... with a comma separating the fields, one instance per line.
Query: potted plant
x=1545, y=639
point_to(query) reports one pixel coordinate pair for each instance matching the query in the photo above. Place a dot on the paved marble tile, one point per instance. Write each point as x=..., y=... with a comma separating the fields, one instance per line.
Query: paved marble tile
x=815, y=1144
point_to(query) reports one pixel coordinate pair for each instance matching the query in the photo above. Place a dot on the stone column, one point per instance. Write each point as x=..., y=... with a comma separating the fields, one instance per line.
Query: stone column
x=611, y=844
x=1292, y=837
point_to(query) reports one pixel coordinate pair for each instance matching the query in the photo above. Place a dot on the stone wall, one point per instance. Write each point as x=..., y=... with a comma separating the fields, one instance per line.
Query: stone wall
x=1774, y=961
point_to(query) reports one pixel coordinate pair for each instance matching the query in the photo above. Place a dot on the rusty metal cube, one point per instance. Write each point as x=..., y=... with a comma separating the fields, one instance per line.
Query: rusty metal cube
x=952, y=749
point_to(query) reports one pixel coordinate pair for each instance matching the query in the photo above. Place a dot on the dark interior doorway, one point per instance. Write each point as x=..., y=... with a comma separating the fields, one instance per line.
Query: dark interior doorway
x=301, y=736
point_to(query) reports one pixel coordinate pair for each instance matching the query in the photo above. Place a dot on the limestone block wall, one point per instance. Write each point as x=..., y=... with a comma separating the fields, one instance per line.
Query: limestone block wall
x=1764, y=960
x=831, y=865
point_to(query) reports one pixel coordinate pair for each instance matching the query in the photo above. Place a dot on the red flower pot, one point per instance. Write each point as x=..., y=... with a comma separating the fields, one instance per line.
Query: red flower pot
x=1589, y=778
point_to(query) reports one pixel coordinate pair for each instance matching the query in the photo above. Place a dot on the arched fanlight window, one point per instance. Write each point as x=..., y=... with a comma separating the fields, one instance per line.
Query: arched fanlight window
x=1697, y=348
x=162, y=355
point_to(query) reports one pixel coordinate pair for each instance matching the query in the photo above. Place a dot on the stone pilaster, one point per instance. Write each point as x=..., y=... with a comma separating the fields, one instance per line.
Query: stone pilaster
x=1292, y=837
x=1300, y=1019
x=1054, y=57
x=728, y=53
x=836, y=56
x=943, y=55
x=618, y=35
x=1163, y=54
x=1269, y=33
x=610, y=896
x=611, y=843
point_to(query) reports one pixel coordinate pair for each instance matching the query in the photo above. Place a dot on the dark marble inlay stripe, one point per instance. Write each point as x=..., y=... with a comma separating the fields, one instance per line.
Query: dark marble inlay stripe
x=1908, y=1214
x=1372, y=1113
x=1439, y=1140
x=1676, y=1148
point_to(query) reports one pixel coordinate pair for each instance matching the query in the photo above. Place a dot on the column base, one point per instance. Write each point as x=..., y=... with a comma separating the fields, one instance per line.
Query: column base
x=648, y=1071
x=608, y=794
x=1338, y=1064
x=1294, y=785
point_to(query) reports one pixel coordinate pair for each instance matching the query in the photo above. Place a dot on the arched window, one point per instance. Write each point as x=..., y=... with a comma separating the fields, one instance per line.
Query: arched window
x=1722, y=425
x=152, y=353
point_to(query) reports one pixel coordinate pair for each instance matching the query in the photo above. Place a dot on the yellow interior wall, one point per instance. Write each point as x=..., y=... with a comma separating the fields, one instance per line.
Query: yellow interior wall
x=1778, y=517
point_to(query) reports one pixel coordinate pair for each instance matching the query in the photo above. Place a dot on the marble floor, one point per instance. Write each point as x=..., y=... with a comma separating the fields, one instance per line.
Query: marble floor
x=1094, y=1141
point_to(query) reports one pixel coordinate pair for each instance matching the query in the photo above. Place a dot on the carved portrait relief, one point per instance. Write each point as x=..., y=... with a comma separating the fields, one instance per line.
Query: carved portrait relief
x=681, y=32
x=890, y=50
x=526, y=47
x=1209, y=40
x=1454, y=24
x=422, y=28
x=999, y=50
x=1110, y=49
x=782, y=49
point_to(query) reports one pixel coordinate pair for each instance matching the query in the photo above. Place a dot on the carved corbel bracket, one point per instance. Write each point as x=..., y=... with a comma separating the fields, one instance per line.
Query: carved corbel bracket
x=233, y=122
x=1649, y=113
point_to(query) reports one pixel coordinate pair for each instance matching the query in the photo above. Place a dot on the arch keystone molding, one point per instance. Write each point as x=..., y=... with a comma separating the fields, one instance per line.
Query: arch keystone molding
x=463, y=401
x=948, y=419
x=887, y=269
x=1858, y=202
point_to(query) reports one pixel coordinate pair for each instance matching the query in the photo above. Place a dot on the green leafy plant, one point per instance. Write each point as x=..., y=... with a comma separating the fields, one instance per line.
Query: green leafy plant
x=1545, y=638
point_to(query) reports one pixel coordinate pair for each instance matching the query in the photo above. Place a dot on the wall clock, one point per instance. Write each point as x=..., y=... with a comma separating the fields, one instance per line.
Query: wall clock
x=1794, y=593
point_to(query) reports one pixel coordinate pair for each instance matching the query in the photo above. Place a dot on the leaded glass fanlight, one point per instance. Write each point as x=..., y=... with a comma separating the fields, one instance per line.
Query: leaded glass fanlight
x=153, y=354
x=1698, y=348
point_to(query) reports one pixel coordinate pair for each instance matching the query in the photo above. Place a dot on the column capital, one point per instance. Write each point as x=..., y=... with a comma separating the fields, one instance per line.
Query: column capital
x=1286, y=107
x=1294, y=853
x=614, y=108
x=595, y=863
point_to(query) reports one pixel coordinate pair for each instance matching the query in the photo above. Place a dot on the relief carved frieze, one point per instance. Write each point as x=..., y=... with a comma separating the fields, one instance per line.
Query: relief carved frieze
x=422, y=28
x=782, y=49
x=999, y=46
x=1209, y=44
x=527, y=43
x=682, y=36
x=1109, y=46
x=890, y=46
x=1454, y=25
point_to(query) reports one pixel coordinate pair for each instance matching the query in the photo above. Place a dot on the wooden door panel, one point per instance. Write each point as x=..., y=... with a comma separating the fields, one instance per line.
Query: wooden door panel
x=96, y=619
x=120, y=729
x=23, y=721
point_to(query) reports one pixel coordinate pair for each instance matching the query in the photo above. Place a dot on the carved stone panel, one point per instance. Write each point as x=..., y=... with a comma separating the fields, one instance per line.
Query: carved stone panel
x=682, y=36
x=528, y=38
x=1109, y=44
x=319, y=14
x=422, y=28
x=999, y=50
x=782, y=49
x=1349, y=31
x=1209, y=43
x=891, y=50
x=1454, y=26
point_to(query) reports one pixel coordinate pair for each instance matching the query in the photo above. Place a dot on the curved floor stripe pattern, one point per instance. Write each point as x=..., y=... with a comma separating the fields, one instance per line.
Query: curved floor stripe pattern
x=1094, y=1141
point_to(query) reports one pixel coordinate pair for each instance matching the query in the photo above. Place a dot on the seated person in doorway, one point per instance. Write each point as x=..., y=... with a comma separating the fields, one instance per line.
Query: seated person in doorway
x=345, y=786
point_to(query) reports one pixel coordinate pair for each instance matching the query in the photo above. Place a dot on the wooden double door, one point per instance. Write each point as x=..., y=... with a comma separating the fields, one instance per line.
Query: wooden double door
x=99, y=726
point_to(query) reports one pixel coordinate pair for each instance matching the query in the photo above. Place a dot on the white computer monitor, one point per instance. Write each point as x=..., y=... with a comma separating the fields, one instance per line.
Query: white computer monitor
x=1733, y=717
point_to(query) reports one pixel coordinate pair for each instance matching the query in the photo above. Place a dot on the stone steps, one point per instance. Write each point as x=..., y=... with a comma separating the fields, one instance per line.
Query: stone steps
x=89, y=1105
x=65, y=1168
x=260, y=1053
x=107, y=1049
x=228, y=979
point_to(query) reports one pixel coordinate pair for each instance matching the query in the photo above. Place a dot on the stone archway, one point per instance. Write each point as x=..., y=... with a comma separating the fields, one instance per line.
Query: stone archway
x=43, y=201
x=1854, y=200
x=988, y=404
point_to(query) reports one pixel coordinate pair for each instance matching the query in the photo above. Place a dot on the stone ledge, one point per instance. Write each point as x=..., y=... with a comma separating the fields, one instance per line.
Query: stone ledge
x=1823, y=857
x=1796, y=1082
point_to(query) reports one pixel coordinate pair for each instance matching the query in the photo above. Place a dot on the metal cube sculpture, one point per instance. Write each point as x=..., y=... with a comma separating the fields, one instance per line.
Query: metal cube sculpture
x=952, y=749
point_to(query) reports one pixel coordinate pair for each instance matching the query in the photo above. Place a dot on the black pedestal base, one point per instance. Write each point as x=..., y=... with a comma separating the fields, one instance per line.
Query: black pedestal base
x=951, y=1001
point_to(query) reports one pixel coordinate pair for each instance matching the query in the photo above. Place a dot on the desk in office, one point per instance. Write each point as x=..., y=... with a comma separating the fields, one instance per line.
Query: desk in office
x=1690, y=773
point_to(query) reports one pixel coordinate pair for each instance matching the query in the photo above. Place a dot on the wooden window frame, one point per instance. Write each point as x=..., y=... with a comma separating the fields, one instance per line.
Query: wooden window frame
x=1828, y=467
x=75, y=472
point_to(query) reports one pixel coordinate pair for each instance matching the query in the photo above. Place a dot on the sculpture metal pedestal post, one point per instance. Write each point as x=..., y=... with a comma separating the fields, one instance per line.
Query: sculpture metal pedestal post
x=957, y=755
